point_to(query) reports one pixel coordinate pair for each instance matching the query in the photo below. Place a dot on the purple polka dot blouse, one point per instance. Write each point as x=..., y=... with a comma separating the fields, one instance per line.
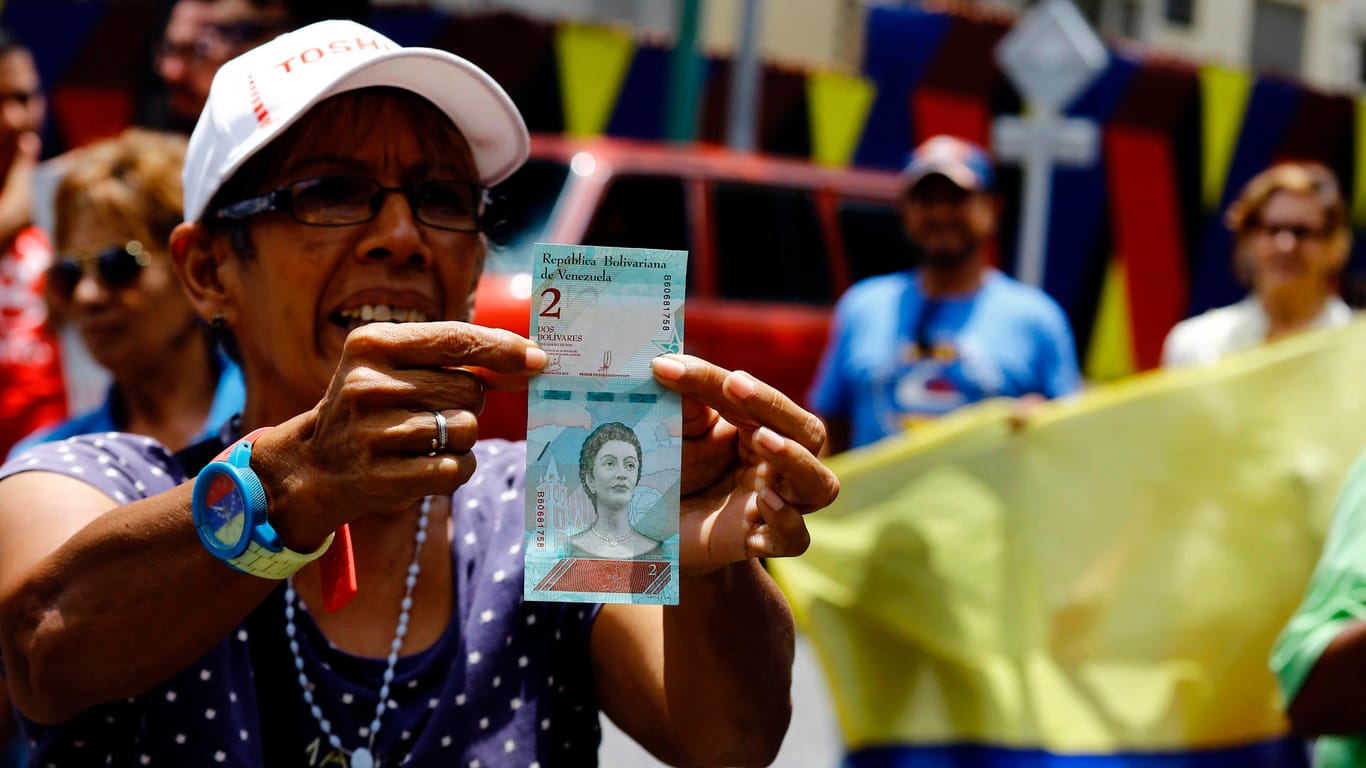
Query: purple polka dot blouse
x=508, y=684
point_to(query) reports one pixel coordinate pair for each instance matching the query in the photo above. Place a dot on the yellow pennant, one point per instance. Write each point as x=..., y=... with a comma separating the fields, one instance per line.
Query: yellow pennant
x=1223, y=101
x=837, y=105
x=593, y=61
x=1110, y=354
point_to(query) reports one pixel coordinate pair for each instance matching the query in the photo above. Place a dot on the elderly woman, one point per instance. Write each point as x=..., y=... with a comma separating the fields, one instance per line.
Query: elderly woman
x=113, y=280
x=1292, y=236
x=336, y=177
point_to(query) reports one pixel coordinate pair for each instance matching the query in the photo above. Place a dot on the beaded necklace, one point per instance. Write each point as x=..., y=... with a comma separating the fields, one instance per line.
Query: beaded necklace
x=362, y=757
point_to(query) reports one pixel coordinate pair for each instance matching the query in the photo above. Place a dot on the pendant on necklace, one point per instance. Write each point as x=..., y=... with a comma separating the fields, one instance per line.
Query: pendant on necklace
x=362, y=758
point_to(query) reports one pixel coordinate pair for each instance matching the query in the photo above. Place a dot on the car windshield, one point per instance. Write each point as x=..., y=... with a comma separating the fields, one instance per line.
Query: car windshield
x=528, y=200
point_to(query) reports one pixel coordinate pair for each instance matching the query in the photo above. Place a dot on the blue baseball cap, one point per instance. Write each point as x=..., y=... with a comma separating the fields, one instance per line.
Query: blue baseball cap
x=962, y=162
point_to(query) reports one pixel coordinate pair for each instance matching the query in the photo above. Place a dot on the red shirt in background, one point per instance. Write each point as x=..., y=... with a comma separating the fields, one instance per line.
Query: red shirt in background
x=32, y=393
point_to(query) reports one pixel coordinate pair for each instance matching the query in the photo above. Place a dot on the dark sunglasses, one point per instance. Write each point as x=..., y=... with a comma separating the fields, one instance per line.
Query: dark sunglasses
x=339, y=201
x=117, y=266
x=1300, y=232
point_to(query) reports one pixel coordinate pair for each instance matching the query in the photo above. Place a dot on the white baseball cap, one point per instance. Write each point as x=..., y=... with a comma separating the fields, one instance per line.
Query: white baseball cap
x=259, y=94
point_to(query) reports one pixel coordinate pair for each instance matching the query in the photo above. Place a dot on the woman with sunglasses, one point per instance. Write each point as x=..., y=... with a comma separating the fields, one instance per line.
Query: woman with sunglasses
x=1291, y=240
x=335, y=181
x=112, y=279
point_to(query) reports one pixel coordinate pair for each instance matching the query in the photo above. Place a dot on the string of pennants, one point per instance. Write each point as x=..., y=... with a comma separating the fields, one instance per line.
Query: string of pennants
x=1136, y=241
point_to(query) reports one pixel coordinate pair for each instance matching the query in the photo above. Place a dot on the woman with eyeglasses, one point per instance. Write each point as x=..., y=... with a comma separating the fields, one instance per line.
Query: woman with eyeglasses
x=153, y=612
x=1292, y=237
x=113, y=280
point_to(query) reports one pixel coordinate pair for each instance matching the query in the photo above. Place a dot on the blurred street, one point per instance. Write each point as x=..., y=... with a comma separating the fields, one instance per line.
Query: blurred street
x=813, y=739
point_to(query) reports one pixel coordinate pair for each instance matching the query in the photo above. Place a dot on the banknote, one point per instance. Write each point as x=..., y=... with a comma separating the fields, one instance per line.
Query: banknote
x=604, y=445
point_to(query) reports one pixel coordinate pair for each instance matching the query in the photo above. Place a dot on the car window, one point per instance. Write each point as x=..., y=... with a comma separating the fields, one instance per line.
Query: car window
x=768, y=245
x=524, y=203
x=641, y=212
x=874, y=240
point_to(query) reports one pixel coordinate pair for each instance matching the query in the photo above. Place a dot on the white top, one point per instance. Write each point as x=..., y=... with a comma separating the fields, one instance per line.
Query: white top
x=1207, y=337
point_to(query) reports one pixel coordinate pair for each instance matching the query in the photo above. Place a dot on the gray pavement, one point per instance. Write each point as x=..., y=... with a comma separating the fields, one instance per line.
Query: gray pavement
x=813, y=739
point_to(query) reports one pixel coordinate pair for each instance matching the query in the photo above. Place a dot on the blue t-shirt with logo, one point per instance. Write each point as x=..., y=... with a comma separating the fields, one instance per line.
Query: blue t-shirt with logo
x=896, y=357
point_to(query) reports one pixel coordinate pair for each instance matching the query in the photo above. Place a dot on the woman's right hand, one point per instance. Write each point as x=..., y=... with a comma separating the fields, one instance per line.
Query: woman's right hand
x=366, y=446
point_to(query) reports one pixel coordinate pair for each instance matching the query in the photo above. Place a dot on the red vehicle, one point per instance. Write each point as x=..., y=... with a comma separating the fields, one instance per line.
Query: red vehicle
x=772, y=243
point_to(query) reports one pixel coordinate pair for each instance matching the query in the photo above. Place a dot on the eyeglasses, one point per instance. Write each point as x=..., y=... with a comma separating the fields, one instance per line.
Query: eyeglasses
x=339, y=201
x=216, y=43
x=1300, y=232
x=118, y=266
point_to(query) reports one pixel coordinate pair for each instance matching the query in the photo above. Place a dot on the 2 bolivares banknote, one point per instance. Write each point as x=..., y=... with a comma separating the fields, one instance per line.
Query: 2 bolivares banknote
x=604, y=449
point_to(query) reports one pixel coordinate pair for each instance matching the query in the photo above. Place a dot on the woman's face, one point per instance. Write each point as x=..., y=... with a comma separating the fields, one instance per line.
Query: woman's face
x=307, y=286
x=616, y=470
x=1289, y=248
x=128, y=329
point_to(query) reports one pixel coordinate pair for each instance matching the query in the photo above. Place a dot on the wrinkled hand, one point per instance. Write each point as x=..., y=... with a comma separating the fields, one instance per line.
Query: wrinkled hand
x=368, y=444
x=750, y=470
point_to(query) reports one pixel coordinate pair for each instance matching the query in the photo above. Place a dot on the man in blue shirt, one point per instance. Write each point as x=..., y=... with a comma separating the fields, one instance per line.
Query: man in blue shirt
x=913, y=345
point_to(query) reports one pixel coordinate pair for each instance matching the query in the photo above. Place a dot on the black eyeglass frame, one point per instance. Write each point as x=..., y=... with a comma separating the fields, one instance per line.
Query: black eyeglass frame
x=281, y=200
x=60, y=275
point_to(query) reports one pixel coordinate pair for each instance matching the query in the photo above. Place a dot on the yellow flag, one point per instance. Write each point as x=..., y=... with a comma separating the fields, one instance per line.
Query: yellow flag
x=1108, y=578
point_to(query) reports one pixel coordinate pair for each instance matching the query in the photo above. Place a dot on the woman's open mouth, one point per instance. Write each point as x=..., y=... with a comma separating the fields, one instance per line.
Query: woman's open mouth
x=354, y=317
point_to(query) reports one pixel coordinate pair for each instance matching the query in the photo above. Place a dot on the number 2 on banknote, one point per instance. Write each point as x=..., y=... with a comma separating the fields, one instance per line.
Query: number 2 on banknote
x=553, y=308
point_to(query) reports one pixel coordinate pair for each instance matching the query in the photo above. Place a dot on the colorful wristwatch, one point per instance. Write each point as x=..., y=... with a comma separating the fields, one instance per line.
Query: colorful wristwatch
x=231, y=517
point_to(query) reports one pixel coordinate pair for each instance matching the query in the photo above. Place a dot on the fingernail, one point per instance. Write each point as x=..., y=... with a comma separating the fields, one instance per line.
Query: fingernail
x=535, y=358
x=669, y=368
x=740, y=385
x=771, y=440
x=770, y=499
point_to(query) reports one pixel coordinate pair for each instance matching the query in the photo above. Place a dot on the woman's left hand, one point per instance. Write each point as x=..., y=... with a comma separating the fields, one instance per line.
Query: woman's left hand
x=750, y=470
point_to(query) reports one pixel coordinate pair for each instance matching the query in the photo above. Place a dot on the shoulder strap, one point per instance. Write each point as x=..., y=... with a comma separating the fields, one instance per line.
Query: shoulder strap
x=193, y=458
x=276, y=684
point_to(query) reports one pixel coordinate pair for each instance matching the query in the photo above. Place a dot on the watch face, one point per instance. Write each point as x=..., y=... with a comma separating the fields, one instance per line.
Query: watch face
x=225, y=513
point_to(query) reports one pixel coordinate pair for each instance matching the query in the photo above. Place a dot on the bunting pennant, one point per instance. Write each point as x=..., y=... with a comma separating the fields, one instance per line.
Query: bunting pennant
x=643, y=100
x=1223, y=94
x=1110, y=354
x=1147, y=230
x=1079, y=253
x=592, y=62
x=901, y=43
x=1359, y=192
x=838, y=106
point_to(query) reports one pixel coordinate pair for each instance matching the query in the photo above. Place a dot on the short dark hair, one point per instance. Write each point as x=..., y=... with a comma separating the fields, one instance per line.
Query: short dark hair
x=604, y=434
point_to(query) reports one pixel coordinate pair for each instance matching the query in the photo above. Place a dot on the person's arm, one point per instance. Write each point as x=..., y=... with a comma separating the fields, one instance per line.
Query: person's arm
x=1061, y=374
x=1330, y=702
x=1320, y=656
x=100, y=602
x=708, y=682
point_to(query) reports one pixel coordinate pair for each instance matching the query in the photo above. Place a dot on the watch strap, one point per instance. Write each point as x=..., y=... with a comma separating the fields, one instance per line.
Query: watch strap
x=269, y=564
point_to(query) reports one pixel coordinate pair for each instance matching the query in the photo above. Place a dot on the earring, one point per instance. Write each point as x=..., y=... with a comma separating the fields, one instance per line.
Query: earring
x=218, y=322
